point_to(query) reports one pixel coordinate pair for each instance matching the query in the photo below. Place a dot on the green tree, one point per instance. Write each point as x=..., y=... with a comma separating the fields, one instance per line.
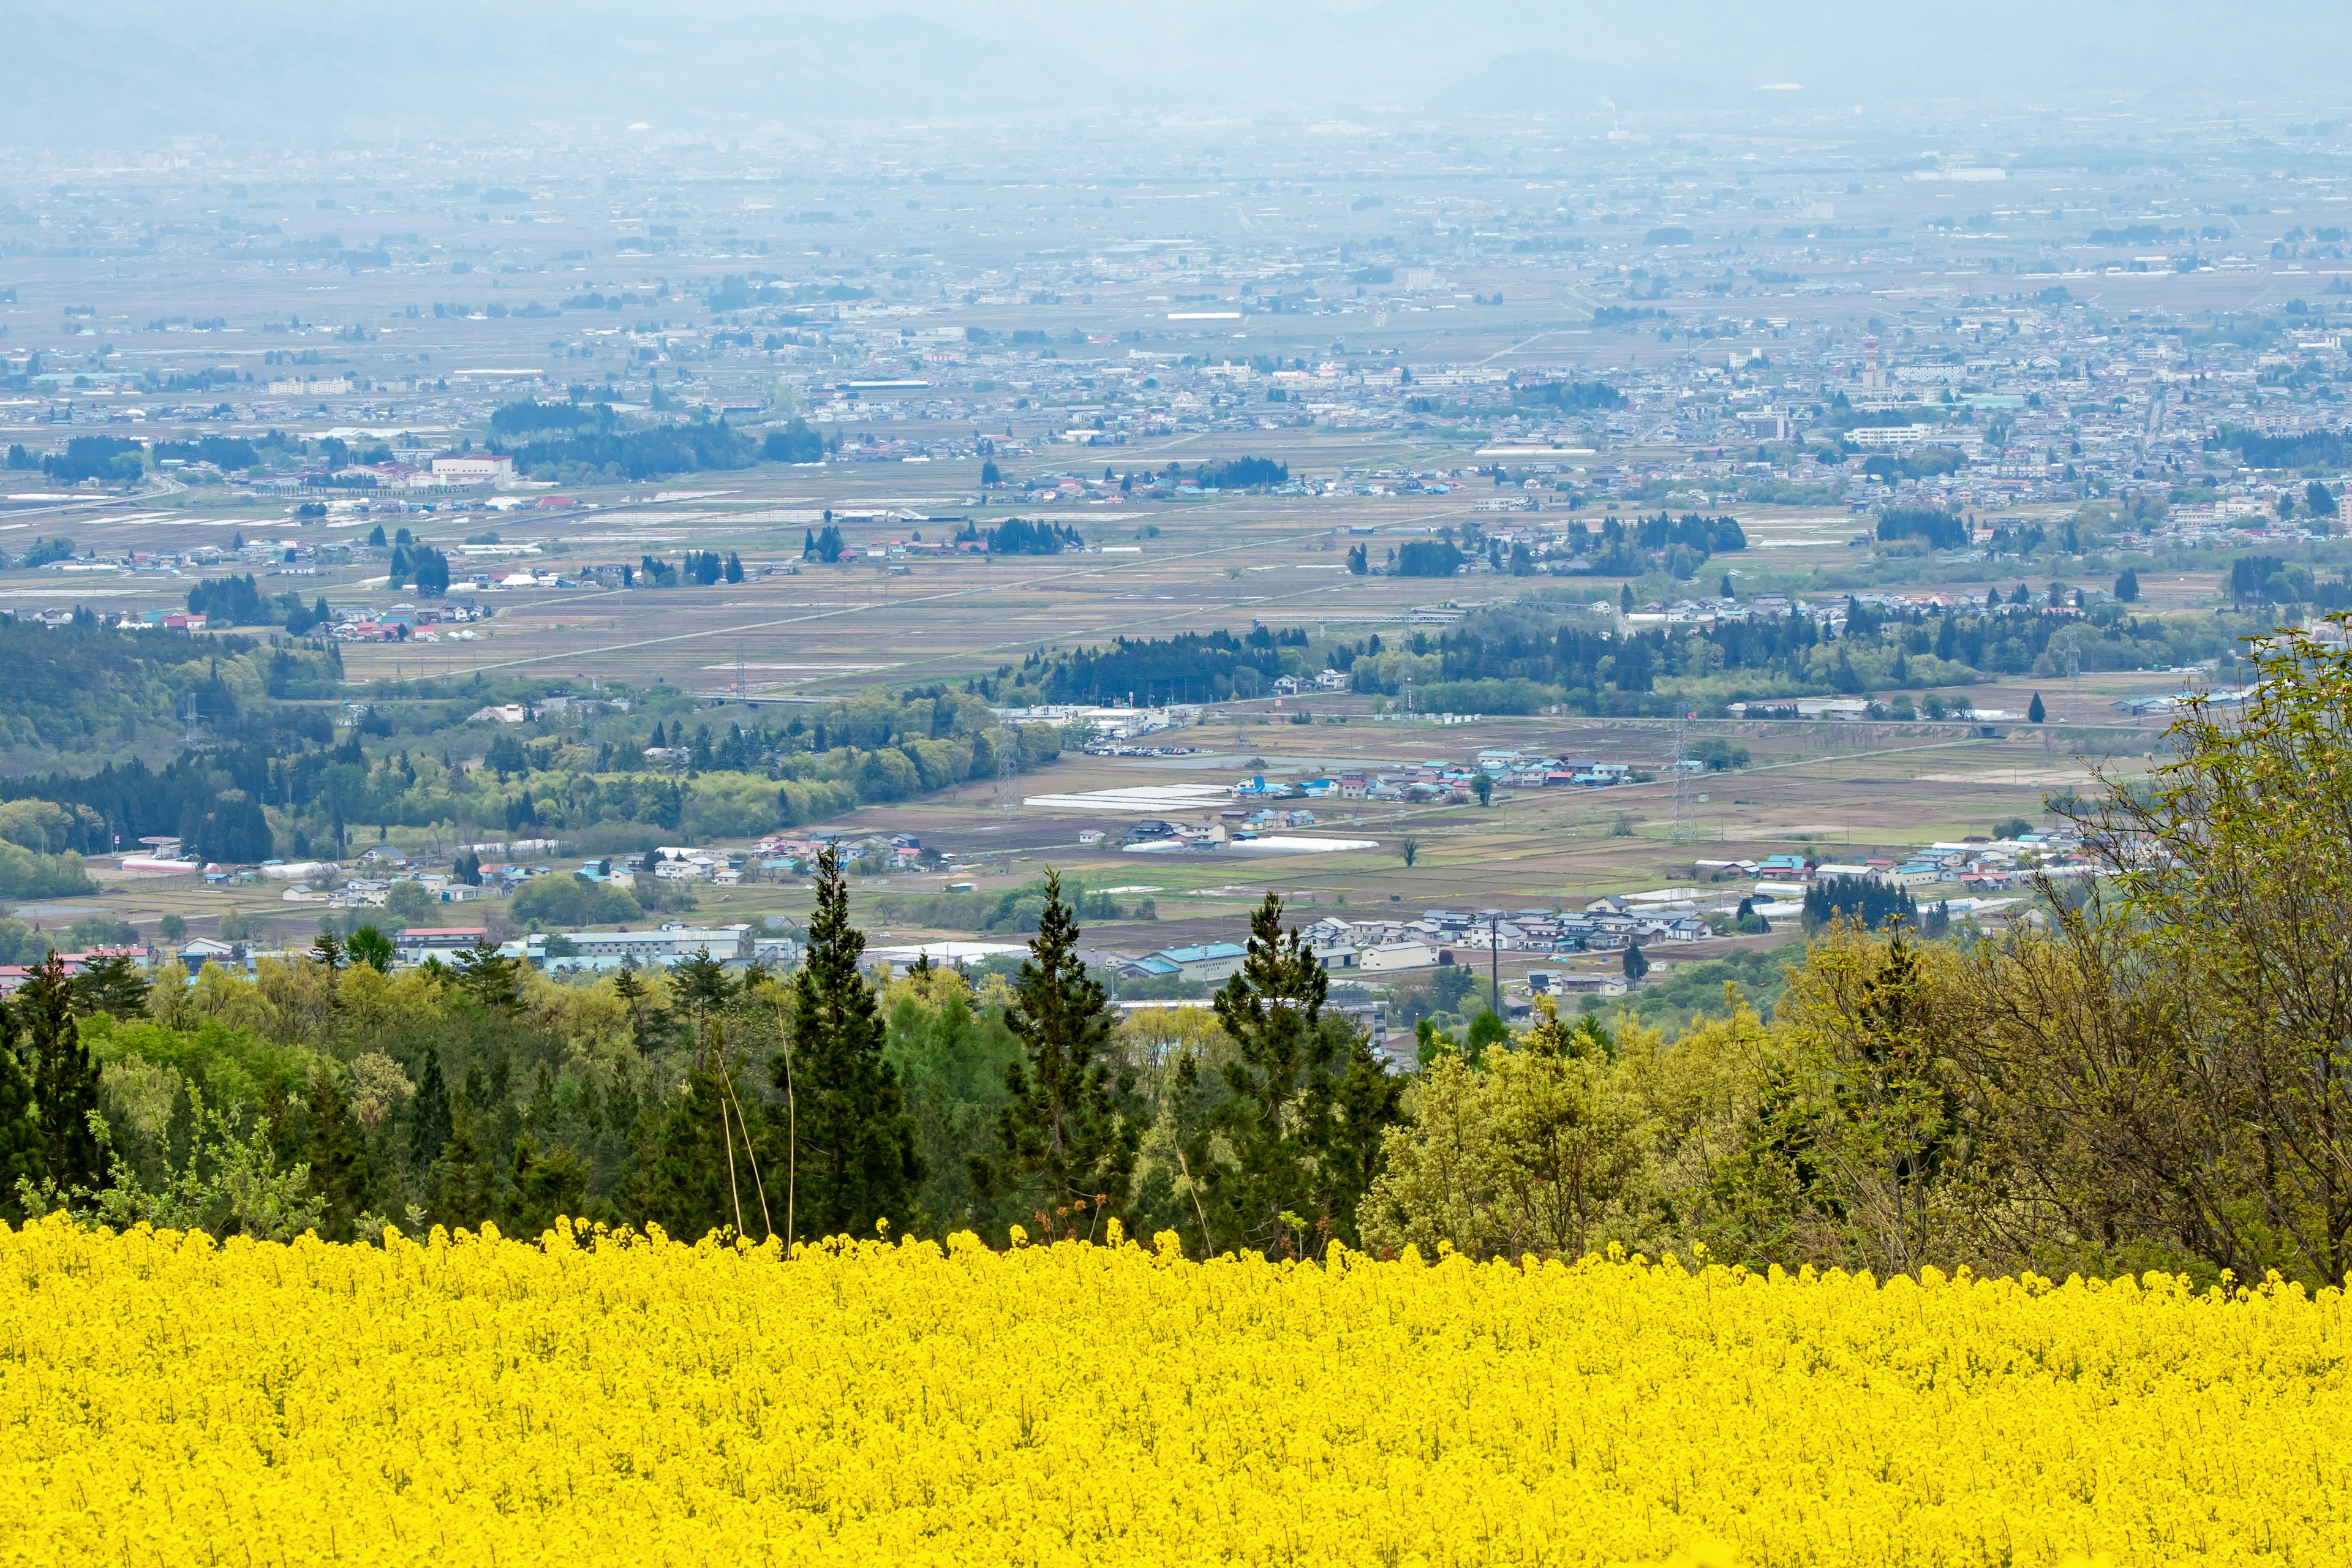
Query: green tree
x=2126, y=585
x=21, y=1159
x=1539, y=1151
x=548, y=1185
x=1068, y=1139
x=430, y=1124
x=1483, y=786
x=851, y=1157
x=465, y=1185
x=172, y=929
x=491, y=977
x=2167, y=1066
x=1634, y=964
x=702, y=985
x=697, y=1162
x=1306, y=1104
x=410, y=904
x=371, y=947
x=338, y=1166
x=111, y=985
x=1409, y=850
x=1484, y=1030
x=65, y=1078
x=2035, y=713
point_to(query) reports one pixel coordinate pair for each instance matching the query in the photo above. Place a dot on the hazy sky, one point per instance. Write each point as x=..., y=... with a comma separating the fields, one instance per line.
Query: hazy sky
x=127, y=73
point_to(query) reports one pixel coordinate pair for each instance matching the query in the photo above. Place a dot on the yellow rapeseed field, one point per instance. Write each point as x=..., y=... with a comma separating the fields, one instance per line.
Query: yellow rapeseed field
x=165, y=1400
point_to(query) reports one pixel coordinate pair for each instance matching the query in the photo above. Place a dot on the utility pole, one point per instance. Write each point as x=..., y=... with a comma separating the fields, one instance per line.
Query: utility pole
x=1682, y=828
x=1495, y=964
x=1008, y=772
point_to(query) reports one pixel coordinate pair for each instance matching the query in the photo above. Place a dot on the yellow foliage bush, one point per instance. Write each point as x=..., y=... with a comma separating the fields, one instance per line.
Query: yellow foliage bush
x=621, y=1400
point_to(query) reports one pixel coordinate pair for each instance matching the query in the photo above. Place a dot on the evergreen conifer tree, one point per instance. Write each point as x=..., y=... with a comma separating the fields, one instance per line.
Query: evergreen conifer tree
x=464, y=1185
x=65, y=1078
x=338, y=1167
x=680, y=1180
x=111, y=985
x=20, y=1127
x=549, y=1183
x=853, y=1157
x=429, y=1124
x=1307, y=1109
x=1069, y=1140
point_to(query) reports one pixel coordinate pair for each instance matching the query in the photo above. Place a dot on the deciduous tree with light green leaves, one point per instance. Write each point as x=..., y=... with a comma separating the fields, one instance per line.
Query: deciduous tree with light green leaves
x=1536, y=1151
x=2170, y=1060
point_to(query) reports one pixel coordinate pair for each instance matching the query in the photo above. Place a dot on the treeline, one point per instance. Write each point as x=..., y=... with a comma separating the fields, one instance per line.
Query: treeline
x=735, y=785
x=1568, y=397
x=531, y=417
x=1931, y=525
x=1020, y=536
x=282, y=780
x=1592, y=670
x=1190, y=667
x=238, y=601
x=85, y=690
x=328, y=1094
x=2307, y=449
x=590, y=451
x=2268, y=580
x=1241, y=473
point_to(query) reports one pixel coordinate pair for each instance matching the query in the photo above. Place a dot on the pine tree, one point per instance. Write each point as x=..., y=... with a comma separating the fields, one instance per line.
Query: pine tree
x=429, y=1124
x=1306, y=1107
x=20, y=1127
x=548, y=1185
x=464, y=1187
x=2035, y=713
x=701, y=983
x=852, y=1159
x=1069, y=1140
x=65, y=1078
x=338, y=1167
x=679, y=1181
x=491, y=978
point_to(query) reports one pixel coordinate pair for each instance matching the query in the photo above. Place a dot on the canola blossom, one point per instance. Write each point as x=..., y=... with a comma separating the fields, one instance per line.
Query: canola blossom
x=600, y=1399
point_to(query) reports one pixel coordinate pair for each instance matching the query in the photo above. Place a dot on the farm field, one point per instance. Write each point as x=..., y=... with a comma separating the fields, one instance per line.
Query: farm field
x=616, y=1400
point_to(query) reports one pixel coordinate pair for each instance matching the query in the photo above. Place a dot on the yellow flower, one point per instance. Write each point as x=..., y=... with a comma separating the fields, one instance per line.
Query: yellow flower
x=611, y=1399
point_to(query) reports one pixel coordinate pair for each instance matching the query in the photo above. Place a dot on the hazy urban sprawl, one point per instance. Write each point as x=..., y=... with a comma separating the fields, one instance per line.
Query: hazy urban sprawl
x=1318, y=781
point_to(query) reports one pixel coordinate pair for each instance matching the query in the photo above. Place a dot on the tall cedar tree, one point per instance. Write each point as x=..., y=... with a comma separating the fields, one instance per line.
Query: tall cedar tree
x=854, y=1159
x=65, y=1078
x=20, y=1127
x=338, y=1167
x=680, y=1181
x=548, y=1185
x=1308, y=1104
x=429, y=1124
x=465, y=1183
x=1069, y=1140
